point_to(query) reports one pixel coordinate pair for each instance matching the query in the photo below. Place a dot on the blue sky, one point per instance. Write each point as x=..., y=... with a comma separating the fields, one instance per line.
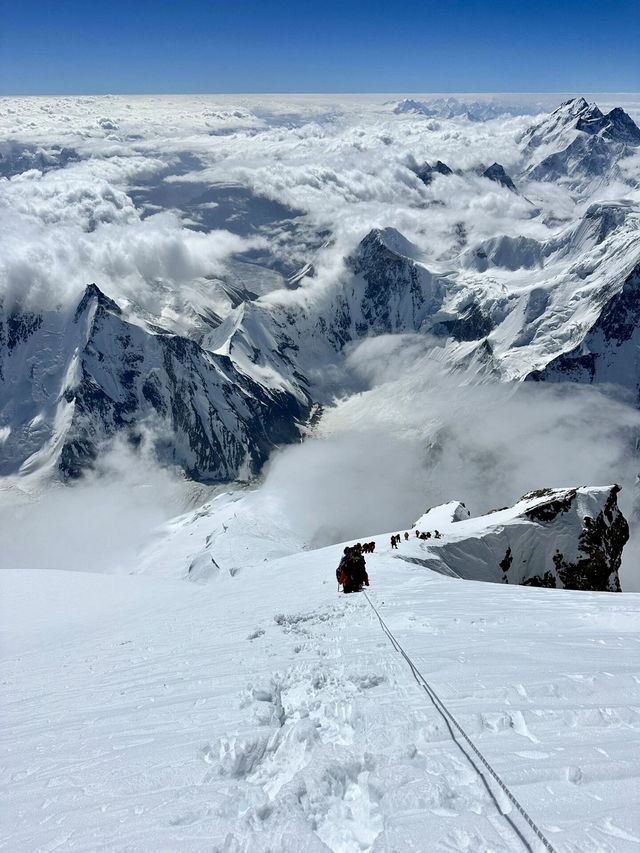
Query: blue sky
x=193, y=46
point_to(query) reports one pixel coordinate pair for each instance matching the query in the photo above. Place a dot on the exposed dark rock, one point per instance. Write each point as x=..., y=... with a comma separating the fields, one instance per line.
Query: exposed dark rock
x=601, y=543
x=616, y=125
x=20, y=327
x=560, y=538
x=472, y=324
x=507, y=560
x=426, y=173
x=550, y=509
x=496, y=173
x=92, y=291
x=546, y=580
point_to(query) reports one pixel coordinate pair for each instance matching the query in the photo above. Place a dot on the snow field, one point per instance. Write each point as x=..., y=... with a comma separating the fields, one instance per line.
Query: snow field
x=263, y=711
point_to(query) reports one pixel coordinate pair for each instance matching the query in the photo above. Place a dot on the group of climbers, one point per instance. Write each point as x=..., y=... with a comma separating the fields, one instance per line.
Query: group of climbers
x=427, y=535
x=352, y=571
x=395, y=539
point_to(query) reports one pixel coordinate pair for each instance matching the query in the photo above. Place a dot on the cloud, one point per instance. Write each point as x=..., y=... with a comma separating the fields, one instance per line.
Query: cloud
x=413, y=435
x=486, y=444
x=347, y=486
x=97, y=525
x=420, y=438
x=67, y=228
x=344, y=161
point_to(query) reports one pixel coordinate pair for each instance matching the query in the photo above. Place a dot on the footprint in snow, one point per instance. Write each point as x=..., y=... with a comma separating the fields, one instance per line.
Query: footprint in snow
x=259, y=632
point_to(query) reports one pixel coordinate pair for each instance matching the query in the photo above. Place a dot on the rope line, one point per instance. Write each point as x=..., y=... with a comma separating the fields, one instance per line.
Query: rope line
x=450, y=721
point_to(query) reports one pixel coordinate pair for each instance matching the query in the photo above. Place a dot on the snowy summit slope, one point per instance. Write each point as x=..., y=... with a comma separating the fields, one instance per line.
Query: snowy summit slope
x=264, y=711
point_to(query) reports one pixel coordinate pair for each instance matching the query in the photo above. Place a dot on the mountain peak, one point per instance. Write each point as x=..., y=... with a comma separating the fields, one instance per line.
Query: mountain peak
x=620, y=126
x=387, y=240
x=496, y=173
x=578, y=141
x=93, y=292
x=577, y=114
x=574, y=106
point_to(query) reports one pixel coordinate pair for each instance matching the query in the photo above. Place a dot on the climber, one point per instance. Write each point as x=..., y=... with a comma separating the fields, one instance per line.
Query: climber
x=341, y=571
x=394, y=544
x=406, y=536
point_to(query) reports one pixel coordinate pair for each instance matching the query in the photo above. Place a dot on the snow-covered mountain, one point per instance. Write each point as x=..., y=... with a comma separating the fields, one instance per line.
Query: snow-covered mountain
x=337, y=300
x=220, y=404
x=73, y=379
x=450, y=107
x=580, y=142
x=549, y=296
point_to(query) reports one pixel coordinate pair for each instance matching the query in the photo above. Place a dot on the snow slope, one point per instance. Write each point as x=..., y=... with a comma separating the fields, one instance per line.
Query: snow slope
x=264, y=711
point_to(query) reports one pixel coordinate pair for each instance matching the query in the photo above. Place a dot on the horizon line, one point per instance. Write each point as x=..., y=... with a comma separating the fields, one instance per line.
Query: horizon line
x=298, y=94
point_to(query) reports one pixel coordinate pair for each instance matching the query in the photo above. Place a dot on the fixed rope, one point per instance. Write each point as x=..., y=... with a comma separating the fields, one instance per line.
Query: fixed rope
x=451, y=721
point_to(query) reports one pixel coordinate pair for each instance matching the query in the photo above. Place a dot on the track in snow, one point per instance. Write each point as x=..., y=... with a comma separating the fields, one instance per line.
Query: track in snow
x=264, y=712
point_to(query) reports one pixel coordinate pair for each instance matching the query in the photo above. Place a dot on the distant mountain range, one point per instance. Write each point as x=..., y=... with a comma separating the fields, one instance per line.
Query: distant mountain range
x=513, y=307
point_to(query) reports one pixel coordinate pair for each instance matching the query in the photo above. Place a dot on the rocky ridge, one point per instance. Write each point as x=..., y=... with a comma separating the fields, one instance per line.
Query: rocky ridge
x=558, y=538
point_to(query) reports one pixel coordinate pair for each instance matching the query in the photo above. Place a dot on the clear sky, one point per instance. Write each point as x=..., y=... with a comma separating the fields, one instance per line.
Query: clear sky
x=142, y=46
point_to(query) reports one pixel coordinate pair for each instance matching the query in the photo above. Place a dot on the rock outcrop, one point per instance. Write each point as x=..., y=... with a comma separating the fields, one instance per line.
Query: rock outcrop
x=427, y=173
